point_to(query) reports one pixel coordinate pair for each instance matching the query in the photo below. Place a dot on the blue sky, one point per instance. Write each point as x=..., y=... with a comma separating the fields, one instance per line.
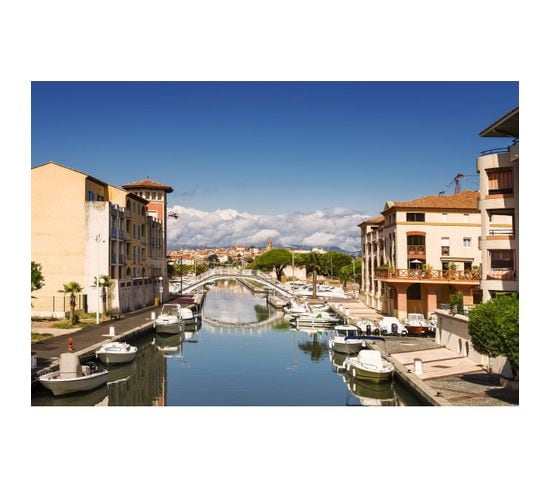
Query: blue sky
x=272, y=148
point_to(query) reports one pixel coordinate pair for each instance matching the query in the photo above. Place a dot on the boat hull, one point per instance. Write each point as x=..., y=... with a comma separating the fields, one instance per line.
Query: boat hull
x=169, y=328
x=368, y=374
x=65, y=386
x=116, y=357
x=347, y=347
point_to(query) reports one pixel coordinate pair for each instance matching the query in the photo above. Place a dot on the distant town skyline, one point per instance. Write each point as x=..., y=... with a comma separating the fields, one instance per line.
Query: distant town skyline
x=300, y=163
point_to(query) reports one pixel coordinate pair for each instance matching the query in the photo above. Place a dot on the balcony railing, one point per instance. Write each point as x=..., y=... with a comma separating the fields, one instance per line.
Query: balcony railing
x=434, y=274
x=501, y=232
x=496, y=150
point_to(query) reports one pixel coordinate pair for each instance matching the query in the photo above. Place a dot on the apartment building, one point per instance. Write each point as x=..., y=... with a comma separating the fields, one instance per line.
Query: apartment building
x=499, y=207
x=417, y=253
x=83, y=228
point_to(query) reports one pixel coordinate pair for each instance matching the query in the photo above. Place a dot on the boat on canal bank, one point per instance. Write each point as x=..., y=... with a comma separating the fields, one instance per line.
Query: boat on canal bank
x=315, y=319
x=370, y=365
x=73, y=377
x=344, y=341
x=171, y=319
x=116, y=353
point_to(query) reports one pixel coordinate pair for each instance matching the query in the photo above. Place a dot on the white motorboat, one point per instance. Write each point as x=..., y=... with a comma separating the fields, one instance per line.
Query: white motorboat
x=316, y=318
x=416, y=324
x=116, y=353
x=171, y=318
x=344, y=340
x=296, y=309
x=73, y=377
x=392, y=326
x=369, y=365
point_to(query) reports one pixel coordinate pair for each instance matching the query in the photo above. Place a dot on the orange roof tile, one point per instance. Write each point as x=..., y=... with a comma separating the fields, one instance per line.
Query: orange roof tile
x=465, y=200
x=373, y=221
x=147, y=183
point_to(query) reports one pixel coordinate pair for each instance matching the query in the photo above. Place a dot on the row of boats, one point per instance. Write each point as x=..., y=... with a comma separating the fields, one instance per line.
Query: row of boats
x=305, y=314
x=73, y=376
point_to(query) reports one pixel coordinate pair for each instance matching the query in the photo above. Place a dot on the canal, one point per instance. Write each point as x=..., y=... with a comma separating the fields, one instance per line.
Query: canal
x=244, y=353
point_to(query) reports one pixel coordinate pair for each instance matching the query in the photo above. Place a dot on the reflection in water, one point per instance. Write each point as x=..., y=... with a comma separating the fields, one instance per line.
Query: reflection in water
x=371, y=394
x=317, y=348
x=265, y=364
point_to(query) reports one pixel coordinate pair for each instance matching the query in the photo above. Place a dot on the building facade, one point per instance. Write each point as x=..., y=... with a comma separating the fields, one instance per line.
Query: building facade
x=499, y=207
x=90, y=229
x=418, y=253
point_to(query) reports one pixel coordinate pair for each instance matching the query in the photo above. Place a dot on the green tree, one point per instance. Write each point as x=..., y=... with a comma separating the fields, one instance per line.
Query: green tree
x=37, y=278
x=73, y=288
x=313, y=266
x=106, y=283
x=494, y=329
x=332, y=262
x=345, y=274
x=274, y=260
x=201, y=268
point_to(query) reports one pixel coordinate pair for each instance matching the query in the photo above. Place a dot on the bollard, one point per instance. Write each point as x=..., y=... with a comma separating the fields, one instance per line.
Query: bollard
x=112, y=331
x=33, y=360
x=153, y=315
x=417, y=366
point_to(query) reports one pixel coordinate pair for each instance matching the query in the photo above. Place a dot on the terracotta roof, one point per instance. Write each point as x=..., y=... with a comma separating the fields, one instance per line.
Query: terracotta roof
x=465, y=200
x=373, y=221
x=147, y=183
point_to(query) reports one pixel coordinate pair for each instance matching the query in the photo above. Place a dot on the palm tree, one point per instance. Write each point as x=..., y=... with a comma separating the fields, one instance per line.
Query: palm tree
x=106, y=283
x=314, y=265
x=73, y=288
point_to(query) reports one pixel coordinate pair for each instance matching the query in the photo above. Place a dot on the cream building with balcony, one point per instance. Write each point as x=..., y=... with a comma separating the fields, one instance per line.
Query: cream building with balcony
x=499, y=207
x=417, y=253
x=83, y=228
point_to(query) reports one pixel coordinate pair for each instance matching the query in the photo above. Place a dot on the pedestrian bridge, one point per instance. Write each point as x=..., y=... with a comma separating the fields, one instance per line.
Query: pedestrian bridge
x=217, y=274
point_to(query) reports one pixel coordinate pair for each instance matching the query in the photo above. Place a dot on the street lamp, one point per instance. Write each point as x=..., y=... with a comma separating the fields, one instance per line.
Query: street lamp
x=161, y=289
x=98, y=240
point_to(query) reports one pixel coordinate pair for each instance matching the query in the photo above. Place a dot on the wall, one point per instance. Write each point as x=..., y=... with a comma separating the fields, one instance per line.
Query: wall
x=57, y=227
x=452, y=332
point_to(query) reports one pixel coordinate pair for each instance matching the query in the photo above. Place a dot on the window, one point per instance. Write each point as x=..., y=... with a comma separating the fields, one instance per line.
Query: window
x=416, y=217
x=138, y=232
x=90, y=196
x=416, y=240
x=445, y=241
x=467, y=242
x=502, y=259
x=147, y=195
x=444, y=217
x=466, y=218
x=134, y=231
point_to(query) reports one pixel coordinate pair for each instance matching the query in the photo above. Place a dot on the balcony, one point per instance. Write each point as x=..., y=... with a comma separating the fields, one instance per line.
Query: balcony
x=495, y=234
x=502, y=274
x=395, y=274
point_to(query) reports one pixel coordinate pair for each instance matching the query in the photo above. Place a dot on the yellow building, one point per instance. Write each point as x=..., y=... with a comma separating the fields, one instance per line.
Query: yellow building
x=418, y=253
x=83, y=228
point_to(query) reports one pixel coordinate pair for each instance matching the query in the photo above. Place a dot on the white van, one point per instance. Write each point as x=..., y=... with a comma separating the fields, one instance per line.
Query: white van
x=391, y=326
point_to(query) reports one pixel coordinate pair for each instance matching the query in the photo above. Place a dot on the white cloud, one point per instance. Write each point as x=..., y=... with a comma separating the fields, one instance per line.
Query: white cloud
x=336, y=227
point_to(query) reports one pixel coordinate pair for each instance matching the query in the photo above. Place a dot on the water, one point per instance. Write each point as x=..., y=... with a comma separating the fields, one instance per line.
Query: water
x=235, y=365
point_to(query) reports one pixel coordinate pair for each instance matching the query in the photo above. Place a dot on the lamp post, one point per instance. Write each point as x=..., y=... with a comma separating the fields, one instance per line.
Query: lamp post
x=98, y=240
x=181, y=275
x=161, y=289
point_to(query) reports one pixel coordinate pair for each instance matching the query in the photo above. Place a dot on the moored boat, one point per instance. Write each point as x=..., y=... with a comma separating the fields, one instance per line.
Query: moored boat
x=416, y=324
x=316, y=318
x=344, y=340
x=73, y=377
x=170, y=319
x=369, y=365
x=116, y=353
